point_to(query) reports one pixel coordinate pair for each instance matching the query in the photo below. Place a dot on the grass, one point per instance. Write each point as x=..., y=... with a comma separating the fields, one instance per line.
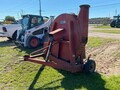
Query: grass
x=107, y=31
x=102, y=26
x=97, y=41
x=28, y=76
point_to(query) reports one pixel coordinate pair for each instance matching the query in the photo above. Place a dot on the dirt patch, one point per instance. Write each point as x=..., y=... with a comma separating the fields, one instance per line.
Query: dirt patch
x=104, y=35
x=3, y=38
x=107, y=58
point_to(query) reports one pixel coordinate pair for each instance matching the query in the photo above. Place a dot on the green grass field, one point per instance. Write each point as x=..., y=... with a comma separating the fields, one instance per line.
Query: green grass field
x=15, y=75
x=107, y=31
x=96, y=41
x=102, y=26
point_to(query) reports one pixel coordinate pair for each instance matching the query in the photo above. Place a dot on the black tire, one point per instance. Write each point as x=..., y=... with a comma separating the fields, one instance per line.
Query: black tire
x=89, y=66
x=10, y=38
x=33, y=42
x=112, y=24
x=45, y=38
x=118, y=25
x=14, y=35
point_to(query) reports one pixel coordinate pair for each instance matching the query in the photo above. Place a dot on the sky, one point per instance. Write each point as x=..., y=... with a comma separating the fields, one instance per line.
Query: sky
x=99, y=8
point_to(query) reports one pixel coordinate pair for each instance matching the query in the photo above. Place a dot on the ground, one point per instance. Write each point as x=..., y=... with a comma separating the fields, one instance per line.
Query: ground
x=107, y=56
x=113, y=33
x=104, y=35
x=27, y=76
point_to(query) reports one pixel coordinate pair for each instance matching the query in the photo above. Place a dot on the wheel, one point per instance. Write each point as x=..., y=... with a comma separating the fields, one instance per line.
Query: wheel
x=89, y=66
x=118, y=25
x=14, y=36
x=112, y=24
x=9, y=38
x=33, y=42
x=45, y=38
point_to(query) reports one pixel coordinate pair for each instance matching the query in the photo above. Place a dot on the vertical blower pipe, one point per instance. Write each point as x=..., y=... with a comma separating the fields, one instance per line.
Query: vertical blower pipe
x=83, y=18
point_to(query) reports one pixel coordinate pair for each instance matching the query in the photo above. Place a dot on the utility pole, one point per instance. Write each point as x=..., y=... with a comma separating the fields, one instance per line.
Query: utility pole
x=40, y=7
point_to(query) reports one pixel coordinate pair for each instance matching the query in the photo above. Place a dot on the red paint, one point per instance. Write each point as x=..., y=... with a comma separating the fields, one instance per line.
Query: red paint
x=34, y=42
x=71, y=41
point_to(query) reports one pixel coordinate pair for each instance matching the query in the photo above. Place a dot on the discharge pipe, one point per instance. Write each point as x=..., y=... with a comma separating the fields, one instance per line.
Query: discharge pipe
x=83, y=18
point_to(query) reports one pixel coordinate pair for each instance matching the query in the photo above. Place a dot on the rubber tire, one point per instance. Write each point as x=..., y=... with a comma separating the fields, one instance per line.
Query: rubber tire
x=118, y=25
x=29, y=45
x=112, y=24
x=14, y=36
x=10, y=38
x=89, y=66
x=45, y=38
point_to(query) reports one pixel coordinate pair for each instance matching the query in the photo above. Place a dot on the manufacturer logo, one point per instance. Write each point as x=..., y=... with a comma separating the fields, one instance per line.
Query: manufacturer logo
x=63, y=22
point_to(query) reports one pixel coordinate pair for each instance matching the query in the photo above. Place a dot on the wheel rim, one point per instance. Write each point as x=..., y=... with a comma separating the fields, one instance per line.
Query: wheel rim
x=34, y=42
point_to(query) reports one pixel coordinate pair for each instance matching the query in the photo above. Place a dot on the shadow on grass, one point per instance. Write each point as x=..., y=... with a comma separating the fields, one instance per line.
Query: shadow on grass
x=70, y=81
x=28, y=50
x=6, y=43
x=31, y=87
x=73, y=81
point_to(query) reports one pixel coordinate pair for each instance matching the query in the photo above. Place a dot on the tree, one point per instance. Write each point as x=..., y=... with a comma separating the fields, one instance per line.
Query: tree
x=9, y=18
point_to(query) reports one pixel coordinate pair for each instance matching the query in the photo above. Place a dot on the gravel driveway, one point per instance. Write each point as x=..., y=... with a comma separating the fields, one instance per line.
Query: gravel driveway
x=103, y=35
